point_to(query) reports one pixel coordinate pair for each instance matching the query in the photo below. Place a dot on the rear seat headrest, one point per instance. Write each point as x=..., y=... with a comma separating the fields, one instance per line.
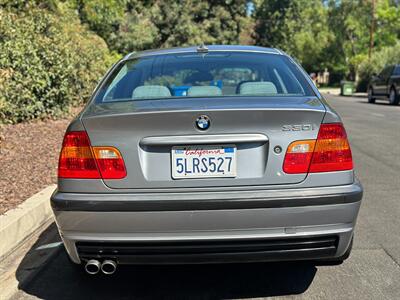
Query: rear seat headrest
x=204, y=91
x=151, y=91
x=258, y=88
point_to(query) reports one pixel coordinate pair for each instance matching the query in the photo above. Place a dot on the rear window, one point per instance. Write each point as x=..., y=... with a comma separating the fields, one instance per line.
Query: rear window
x=215, y=74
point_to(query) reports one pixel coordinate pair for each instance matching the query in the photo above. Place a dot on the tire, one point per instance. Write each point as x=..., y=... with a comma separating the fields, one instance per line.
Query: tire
x=393, y=97
x=371, y=98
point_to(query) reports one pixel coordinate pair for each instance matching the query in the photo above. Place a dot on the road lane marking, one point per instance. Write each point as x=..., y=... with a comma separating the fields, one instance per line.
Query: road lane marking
x=378, y=114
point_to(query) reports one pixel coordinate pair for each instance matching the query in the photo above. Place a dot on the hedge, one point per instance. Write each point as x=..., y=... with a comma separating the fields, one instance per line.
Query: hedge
x=49, y=62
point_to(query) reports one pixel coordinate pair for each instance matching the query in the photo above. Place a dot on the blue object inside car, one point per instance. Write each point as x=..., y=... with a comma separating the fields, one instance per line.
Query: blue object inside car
x=179, y=90
x=183, y=89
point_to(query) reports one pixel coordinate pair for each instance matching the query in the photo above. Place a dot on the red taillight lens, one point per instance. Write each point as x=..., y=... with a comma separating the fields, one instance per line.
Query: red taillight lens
x=76, y=158
x=298, y=157
x=330, y=152
x=110, y=162
x=79, y=160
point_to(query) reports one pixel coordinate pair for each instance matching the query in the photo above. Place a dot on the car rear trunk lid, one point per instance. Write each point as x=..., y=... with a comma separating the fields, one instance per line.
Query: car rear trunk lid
x=145, y=133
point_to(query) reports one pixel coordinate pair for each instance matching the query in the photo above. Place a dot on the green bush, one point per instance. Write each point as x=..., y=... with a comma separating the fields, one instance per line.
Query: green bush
x=48, y=62
x=380, y=59
x=103, y=16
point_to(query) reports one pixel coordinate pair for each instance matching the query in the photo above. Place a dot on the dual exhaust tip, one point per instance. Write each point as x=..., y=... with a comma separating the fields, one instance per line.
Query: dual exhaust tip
x=93, y=267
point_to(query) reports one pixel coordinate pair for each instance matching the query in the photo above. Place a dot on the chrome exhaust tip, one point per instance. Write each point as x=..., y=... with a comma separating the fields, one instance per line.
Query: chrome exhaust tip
x=92, y=267
x=108, y=267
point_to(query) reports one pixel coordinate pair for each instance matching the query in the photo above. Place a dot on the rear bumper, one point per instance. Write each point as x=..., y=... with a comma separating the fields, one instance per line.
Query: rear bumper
x=249, y=199
x=209, y=227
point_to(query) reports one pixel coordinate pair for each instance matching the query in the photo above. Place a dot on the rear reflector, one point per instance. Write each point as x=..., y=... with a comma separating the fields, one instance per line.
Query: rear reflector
x=330, y=152
x=79, y=160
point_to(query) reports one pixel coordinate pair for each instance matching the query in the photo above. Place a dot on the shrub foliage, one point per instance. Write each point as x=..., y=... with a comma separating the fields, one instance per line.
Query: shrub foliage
x=48, y=62
x=385, y=57
x=134, y=25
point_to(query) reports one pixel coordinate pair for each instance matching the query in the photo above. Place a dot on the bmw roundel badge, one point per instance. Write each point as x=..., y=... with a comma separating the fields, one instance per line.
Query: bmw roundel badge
x=203, y=122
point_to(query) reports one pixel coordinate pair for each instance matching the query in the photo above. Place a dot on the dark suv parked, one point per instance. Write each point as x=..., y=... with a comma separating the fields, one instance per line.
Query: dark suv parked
x=385, y=85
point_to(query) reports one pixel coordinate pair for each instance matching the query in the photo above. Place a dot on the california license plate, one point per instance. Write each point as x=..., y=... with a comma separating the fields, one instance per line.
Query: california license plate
x=203, y=161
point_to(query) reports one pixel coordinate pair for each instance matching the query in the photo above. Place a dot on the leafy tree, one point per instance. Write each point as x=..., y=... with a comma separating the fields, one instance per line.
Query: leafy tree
x=20, y=5
x=350, y=21
x=227, y=20
x=388, y=23
x=191, y=22
x=333, y=34
x=103, y=16
x=136, y=32
x=180, y=23
x=298, y=27
x=129, y=25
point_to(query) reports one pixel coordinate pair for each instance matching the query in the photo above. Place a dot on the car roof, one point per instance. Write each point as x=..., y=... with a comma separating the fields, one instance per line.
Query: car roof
x=202, y=49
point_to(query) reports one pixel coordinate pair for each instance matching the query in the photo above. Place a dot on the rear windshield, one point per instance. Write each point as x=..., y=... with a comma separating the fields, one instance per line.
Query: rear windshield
x=215, y=74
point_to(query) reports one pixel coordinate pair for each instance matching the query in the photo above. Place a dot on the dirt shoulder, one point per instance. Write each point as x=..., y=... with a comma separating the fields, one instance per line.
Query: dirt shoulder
x=28, y=159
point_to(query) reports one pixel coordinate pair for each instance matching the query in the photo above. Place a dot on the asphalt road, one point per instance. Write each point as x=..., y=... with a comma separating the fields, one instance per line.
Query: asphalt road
x=372, y=271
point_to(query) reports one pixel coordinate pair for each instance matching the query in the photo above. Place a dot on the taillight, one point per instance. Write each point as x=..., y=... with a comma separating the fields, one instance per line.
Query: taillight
x=76, y=158
x=110, y=162
x=79, y=160
x=330, y=152
x=298, y=157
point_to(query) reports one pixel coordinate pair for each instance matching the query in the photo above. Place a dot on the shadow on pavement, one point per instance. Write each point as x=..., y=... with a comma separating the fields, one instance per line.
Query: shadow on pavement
x=378, y=102
x=60, y=279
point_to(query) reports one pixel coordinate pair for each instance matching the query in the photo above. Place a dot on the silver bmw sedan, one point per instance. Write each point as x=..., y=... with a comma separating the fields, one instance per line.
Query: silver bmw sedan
x=206, y=155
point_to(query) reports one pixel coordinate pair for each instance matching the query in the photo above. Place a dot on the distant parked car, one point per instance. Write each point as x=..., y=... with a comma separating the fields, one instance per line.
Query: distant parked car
x=385, y=85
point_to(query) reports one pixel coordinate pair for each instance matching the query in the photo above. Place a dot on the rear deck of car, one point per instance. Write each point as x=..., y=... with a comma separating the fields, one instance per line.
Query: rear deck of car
x=259, y=212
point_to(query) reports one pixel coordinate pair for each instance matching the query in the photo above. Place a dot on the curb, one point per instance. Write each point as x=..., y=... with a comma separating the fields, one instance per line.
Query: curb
x=19, y=223
x=19, y=268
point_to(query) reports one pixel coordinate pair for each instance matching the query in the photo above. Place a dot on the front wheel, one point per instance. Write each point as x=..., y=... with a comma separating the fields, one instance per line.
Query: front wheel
x=371, y=98
x=393, y=97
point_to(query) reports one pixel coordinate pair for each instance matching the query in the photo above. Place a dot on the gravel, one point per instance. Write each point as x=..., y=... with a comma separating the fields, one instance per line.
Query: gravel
x=28, y=159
